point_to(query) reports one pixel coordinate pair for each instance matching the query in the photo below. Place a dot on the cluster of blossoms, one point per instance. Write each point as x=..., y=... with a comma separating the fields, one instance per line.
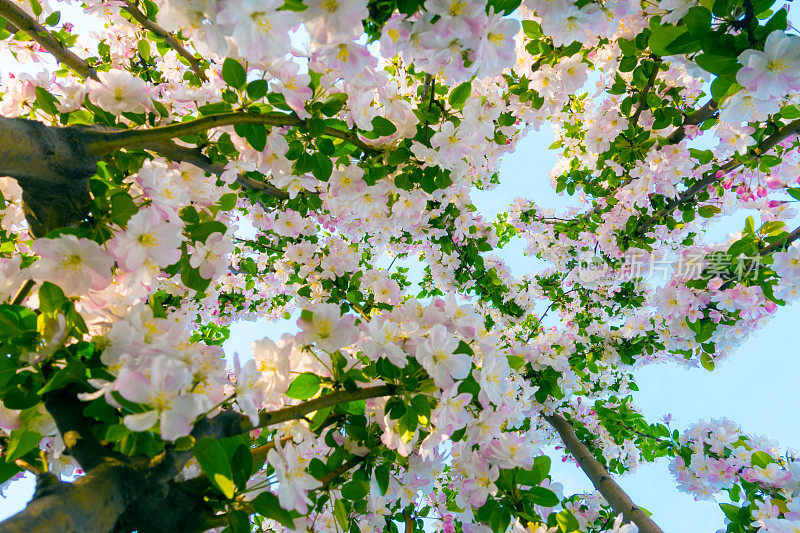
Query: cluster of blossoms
x=717, y=456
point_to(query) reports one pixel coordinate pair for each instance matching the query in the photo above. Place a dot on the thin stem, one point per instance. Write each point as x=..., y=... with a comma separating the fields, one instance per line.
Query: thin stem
x=711, y=177
x=328, y=478
x=25, y=465
x=643, y=97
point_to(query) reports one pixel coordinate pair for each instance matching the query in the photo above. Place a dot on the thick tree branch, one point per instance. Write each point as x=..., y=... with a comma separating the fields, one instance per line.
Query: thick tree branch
x=140, y=138
x=24, y=22
x=171, y=41
x=600, y=478
x=92, y=503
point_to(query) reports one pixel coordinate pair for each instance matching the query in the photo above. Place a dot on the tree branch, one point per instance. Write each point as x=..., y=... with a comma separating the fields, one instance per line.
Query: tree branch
x=335, y=398
x=698, y=117
x=711, y=177
x=24, y=22
x=331, y=476
x=92, y=503
x=140, y=138
x=171, y=41
x=600, y=478
x=643, y=96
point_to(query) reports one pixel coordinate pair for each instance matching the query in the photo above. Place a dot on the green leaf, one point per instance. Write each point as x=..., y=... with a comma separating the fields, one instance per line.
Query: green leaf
x=20, y=442
x=340, y=512
x=227, y=201
x=723, y=86
x=323, y=167
x=255, y=134
x=316, y=127
x=234, y=73
x=505, y=7
x=266, y=504
x=458, y=96
x=542, y=496
x=662, y=36
x=46, y=101
x=382, y=478
x=191, y=277
x=51, y=298
x=257, y=89
x=143, y=47
x=238, y=521
x=698, y=20
x=355, y=490
x=122, y=208
x=708, y=211
x=215, y=463
x=532, y=29
x=304, y=386
x=383, y=126
x=707, y=362
x=74, y=372
x=333, y=104
x=567, y=523
x=761, y=459
x=53, y=18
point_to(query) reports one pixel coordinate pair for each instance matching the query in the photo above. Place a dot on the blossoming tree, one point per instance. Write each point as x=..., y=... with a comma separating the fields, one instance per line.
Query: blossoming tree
x=177, y=165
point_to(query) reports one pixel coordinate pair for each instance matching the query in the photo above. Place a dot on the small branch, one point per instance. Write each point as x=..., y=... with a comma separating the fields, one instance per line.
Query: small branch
x=409, y=521
x=643, y=97
x=775, y=246
x=335, y=398
x=747, y=22
x=193, y=156
x=330, y=477
x=711, y=177
x=23, y=292
x=698, y=117
x=171, y=41
x=600, y=478
x=24, y=22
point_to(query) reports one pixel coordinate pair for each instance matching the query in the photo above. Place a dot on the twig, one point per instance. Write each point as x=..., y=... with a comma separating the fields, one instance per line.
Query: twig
x=698, y=117
x=643, y=96
x=328, y=478
x=24, y=22
x=171, y=41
